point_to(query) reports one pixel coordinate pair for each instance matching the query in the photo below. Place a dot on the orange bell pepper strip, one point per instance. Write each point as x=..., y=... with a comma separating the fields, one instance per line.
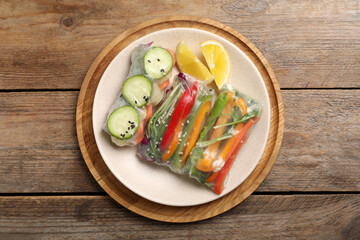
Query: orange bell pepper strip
x=230, y=146
x=195, y=132
x=230, y=142
x=206, y=164
x=222, y=174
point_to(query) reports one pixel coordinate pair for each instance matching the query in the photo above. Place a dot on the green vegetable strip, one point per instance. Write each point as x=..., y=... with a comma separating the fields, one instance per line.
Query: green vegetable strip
x=214, y=114
x=155, y=128
x=243, y=119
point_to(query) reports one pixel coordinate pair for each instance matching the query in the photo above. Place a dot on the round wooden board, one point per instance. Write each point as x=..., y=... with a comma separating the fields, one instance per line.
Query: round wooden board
x=115, y=188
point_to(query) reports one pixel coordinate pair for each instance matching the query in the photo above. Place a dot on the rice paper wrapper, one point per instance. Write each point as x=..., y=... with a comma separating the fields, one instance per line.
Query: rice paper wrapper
x=137, y=68
x=220, y=141
x=224, y=130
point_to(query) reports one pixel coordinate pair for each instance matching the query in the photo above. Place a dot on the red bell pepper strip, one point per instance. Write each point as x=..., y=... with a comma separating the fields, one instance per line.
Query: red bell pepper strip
x=182, y=110
x=231, y=156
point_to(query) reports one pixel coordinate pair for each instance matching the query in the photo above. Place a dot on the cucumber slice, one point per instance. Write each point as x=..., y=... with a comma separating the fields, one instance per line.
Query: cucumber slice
x=123, y=122
x=157, y=62
x=137, y=90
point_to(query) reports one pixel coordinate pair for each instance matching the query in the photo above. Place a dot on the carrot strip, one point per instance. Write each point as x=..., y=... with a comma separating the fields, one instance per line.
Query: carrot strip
x=195, y=132
x=164, y=84
x=148, y=112
x=174, y=141
x=205, y=164
x=173, y=55
x=140, y=133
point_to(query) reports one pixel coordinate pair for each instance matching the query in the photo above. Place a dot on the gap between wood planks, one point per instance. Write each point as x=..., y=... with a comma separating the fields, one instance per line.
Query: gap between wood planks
x=49, y=194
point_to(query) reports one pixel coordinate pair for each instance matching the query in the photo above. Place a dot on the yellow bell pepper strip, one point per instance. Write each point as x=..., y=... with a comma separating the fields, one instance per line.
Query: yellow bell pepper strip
x=206, y=164
x=241, y=103
x=174, y=141
x=195, y=132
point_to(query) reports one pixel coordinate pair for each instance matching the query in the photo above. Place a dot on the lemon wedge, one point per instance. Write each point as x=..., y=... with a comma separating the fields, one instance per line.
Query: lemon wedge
x=217, y=60
x=190, y=64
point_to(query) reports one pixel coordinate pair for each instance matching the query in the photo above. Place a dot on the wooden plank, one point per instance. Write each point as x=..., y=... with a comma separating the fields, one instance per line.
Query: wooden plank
x=308, y=43
x=258, y=217
x=38, y=144
x=320, y=147
x=39, y=150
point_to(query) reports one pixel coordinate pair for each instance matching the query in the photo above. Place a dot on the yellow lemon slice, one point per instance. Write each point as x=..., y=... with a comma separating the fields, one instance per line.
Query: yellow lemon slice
x=190, y=64
x=217, y=60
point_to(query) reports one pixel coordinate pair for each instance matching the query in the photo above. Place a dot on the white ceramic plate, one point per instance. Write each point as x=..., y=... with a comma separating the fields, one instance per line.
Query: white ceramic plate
x=157, y=183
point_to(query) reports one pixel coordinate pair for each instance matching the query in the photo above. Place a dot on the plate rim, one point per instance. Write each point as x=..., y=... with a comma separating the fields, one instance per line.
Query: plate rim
x=117, y=190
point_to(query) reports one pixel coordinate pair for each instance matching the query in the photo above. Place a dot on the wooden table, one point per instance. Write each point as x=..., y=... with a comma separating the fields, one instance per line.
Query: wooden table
x=46, y=190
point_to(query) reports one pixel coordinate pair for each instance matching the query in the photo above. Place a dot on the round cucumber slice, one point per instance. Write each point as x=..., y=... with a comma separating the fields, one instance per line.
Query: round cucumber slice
x=123, y=122
x=157, y=62
x=137, y=90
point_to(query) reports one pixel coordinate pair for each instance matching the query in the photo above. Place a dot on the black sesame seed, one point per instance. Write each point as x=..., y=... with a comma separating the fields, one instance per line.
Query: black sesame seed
x=149, y=61
x=144, y=97
x=158, y=60
x=135, y=102
x=128, y=128
x=132, y=126
x=126, y=131
x=162, y=70
x=130, y=122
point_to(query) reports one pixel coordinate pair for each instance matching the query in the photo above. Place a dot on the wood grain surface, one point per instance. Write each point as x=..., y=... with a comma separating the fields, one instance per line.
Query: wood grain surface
x=46, y=190
x=40, y=148
x=258, y=217
x=309, y=43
